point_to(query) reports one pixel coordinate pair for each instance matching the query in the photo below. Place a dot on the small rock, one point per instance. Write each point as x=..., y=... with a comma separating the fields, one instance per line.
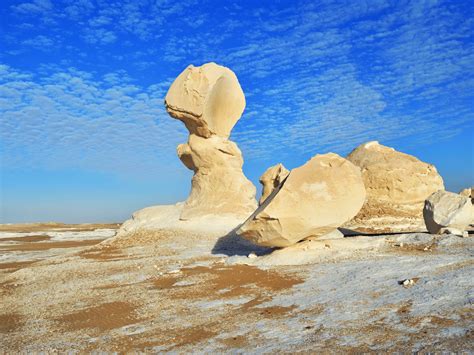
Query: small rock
x=408, y=282
x=175, y=271
x=252, y=255
x=271, y=179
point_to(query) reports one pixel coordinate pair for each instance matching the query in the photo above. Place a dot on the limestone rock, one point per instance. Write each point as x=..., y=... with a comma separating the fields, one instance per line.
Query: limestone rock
x=446, y=211
x=271, y=179
x=397, y=185
x=469, y=192
x=313, y=200
x=219, y=186
x=208, y=99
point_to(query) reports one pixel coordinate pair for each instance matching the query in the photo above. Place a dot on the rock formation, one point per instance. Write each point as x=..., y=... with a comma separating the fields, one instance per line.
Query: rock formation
x=271, y=179
x=210, y=101
x=469, y=192
x=397, y=185
x=447, y=212
x=313, y=200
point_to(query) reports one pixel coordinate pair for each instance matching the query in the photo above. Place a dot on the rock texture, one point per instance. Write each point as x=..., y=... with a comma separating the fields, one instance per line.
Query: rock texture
x=397, y=185
x=312, y=201
x=271, y=179
x=447, y=212
x=469, y=192
x=209, y=100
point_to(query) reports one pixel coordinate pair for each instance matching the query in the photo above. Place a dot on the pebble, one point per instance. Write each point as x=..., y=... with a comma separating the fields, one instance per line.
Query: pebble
x=252, y=255
x=408, y=282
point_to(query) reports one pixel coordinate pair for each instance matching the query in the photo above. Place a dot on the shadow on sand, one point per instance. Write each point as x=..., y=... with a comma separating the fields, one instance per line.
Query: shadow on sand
x=232, y=244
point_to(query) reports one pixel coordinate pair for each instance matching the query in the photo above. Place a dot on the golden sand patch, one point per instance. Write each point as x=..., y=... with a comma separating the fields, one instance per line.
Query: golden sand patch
x=27, y=239
x=16, y=265
x=235, y=342
x=10, y=322
x=236, y=280
x=102, y=253
x=224, y=282
x=39, y=227
x=106, y=316
x=192, y=335
x=50, y=245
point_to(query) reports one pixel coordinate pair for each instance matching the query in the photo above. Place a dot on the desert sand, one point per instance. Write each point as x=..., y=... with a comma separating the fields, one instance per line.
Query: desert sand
x=153, y=292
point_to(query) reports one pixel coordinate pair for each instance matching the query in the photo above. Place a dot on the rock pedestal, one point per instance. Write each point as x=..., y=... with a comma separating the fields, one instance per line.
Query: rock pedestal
x=210, y=101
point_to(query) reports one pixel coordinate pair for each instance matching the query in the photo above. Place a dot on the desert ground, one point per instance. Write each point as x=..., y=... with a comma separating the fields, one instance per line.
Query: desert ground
x=79, y=288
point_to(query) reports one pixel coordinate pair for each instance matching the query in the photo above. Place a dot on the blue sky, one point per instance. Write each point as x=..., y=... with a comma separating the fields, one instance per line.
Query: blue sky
x=84, y=133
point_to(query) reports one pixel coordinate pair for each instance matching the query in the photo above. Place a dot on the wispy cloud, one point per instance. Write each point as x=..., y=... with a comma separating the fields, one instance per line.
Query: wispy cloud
x=317, y=76
x=70, y=120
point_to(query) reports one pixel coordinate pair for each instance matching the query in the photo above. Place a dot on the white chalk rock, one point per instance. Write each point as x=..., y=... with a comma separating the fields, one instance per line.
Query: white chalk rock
x=209, y=100
x=271, y=179
x=397, y=185
x=313, y=200
x=447, y=211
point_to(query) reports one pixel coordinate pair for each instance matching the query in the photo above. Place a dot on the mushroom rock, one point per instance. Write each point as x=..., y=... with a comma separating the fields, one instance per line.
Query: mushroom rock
x=397, y=185
x=271, y=179
x=314, y=199
x=209, y=100
x=447, y=212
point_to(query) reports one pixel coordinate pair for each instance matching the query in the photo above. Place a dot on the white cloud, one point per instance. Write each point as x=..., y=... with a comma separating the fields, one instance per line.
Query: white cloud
x=34, y=7
x=70, y=120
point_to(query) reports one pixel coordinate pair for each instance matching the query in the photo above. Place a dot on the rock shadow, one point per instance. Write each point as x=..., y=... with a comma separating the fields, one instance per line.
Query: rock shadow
x=349, y=233
x=234, y=245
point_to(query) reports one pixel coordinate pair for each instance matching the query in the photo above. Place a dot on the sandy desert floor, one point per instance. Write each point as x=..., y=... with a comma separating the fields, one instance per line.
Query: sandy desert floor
x=70, y=288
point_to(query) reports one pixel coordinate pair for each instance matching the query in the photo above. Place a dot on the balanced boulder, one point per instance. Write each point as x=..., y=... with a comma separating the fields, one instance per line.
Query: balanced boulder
x=209, y=100
x=447, y=212
x=315, y=199
x=397, y=185
x=271, y=179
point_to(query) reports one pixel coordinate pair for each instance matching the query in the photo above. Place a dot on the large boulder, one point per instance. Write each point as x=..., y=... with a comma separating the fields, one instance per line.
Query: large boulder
x=397, y=185
x=447, y=212
x=209, y=100
x=313, y=200
x=271, y=179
